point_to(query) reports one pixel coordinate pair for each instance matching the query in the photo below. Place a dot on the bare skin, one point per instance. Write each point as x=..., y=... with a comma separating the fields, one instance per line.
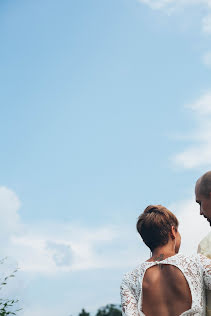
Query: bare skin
x=203, y=201
x=165, y=289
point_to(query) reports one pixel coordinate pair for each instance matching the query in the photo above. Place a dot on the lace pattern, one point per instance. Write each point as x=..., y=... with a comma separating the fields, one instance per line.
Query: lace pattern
x=196, y=269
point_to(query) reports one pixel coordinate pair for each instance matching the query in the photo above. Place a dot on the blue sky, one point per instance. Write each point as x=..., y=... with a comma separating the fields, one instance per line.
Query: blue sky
x=105, y=108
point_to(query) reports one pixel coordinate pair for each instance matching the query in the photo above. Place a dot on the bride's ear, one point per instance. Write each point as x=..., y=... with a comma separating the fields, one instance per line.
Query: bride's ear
x=173, y=232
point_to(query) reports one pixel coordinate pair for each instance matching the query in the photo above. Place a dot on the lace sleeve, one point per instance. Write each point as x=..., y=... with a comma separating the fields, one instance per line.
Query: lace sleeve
x=128, y=300
x=206, y=267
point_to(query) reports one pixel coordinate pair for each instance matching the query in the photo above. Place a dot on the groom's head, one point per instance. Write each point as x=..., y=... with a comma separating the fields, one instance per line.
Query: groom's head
x=203, y=195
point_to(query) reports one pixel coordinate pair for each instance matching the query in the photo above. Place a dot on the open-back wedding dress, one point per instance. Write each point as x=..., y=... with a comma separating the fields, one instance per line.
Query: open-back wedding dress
x=196, y=270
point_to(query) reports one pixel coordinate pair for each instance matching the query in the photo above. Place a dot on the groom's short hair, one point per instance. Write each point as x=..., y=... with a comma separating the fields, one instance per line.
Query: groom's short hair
x=205, y=184
x=154, y=225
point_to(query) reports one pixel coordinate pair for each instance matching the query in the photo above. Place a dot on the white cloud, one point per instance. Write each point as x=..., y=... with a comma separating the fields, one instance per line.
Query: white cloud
x=175, y=4
x=193, y=227
x=202, y=106
x=206, y=59
x=55, y=248
x=9, y=217
x=206, y=24
x=194, y=156
x=170, y=6
x=159, y=4
x=199, y=152
x=51, y=248
x=41, y=251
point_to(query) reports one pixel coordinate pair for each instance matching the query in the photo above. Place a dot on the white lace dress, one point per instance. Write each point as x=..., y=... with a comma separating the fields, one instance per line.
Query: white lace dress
x=196, y=269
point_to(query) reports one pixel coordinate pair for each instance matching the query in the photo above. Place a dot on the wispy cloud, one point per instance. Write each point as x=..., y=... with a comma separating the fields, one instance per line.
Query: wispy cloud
x=50, y=248
x=206, y=59
x=202, y=106
x=199, y=152
x=172, y=6
x=192, y=227
x=71, y=248
x=206, y=24
x=159, y=4
x=175, y=4
x=53, y=249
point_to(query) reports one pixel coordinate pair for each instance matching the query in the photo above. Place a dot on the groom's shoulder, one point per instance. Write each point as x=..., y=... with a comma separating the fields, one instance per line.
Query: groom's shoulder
x=204, y=246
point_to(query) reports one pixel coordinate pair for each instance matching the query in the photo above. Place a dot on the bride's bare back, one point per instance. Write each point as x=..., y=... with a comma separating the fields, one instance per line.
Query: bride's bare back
x=165, y=291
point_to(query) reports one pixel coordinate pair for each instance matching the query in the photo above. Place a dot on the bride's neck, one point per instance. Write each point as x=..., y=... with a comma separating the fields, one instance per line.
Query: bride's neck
x=161, y=253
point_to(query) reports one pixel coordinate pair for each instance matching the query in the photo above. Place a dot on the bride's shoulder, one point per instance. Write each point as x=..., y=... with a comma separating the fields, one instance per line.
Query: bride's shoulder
x=134, y=274
x=194, y=259
x=191, y=258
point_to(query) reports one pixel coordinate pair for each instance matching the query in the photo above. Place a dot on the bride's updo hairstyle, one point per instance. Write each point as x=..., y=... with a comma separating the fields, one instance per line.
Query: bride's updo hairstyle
x=154, y=225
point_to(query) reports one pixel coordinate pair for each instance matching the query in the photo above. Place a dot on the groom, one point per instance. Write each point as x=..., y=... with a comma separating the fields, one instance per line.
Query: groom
x=203, y=198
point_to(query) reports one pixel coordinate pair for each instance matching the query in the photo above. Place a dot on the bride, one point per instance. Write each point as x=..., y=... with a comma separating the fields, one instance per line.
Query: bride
x=168, y=283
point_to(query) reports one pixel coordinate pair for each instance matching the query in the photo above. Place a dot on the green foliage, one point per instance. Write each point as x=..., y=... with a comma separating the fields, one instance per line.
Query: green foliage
x=7, y=306
x=82, y=313
x=109, y=310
